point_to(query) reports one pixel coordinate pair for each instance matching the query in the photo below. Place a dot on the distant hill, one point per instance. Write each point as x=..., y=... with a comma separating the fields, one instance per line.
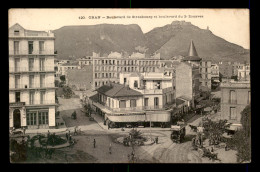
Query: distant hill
x=174, y=39
x=104, y=38
x=170, y=40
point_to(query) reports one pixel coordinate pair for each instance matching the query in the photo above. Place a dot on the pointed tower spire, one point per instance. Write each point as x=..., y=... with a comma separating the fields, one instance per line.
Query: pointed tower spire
x=192, y=50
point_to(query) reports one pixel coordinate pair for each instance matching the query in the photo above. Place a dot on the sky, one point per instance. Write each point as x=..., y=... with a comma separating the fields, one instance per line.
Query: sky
x=229, y=24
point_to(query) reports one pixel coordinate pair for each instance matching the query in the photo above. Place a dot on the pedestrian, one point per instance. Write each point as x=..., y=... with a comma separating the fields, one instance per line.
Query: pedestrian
x=212, y=150
x=110, y=148
x=67, y=136
x=48, y=134
x=75, y=130
x=94, y=143
x=24, y=131
x=157, y=140
x=226, y=147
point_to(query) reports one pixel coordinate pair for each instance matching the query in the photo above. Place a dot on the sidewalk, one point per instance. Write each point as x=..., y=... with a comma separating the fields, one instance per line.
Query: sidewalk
x=100, y=122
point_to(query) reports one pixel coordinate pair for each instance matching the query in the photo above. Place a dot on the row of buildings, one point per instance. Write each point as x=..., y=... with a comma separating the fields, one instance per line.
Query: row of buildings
x=133, y=88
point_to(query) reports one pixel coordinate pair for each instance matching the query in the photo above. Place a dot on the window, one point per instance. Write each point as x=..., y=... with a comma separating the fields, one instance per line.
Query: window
x=249, y=97
x=17, y=97
x=132, y=103
x=135, y=84
x=122, y=104
x=31, y=118
x=16, y=32
x=17, y=81
x=31, y=81
x=30, y=47
x=42, y=80
x=42, y=66
x=95, y=84
x=232, y=98
x=42, y=97
x=31, y=97
x=17, y=65
x=95, y=75
x=41, y=47
x=102, y=75
x=233, y=113
x=156, y=101
x=31, y=63
x=146, y=101
x=16, y=47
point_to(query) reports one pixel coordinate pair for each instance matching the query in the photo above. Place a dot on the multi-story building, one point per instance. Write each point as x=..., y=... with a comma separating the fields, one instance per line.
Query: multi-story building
x=187, y=82
x=142, y=98
x=31, y=78
x=235, y=96
x=157, y=88
x=214, y=76
x=214, y=72
x=205, y=71
x=85, y=61
x=63, y=68
x=243, y=72
x=108, y=68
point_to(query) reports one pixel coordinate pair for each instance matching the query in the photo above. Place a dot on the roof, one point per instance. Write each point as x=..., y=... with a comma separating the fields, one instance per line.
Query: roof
x=179, y=101
x=192, y=54
x=185, y=98
x=71, y=64
x=94, y=98
x=117, y=90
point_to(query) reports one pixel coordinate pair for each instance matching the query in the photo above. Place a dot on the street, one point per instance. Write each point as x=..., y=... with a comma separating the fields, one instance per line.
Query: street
x=83, y=150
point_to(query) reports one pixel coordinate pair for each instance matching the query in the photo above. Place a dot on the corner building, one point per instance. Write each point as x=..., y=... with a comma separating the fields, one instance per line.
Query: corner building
x=31, y=78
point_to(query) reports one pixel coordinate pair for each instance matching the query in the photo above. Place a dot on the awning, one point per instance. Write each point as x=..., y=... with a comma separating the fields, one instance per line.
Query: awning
x=158, y=116
x=149, y=116
x=101, y=107
x=127, y=118
x=235, y=127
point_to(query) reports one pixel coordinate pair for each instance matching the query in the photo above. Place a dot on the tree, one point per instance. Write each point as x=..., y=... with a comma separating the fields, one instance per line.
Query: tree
x=241, y=140
x=67, y=92
x=62, y=78
x=57, y=83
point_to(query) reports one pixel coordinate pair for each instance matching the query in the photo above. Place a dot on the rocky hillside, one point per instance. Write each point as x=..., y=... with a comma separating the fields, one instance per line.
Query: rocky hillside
x=79, y=41
x=174, y=39
x=170, y=40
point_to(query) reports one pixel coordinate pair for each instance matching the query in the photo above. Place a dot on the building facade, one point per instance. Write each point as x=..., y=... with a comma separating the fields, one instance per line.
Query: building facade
x=106, y=69
x=235, y=96
x=31, y=78
x=188, y=82
x=205, y=71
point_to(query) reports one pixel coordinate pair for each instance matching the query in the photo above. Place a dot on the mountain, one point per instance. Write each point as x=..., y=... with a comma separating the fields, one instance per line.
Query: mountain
x=174, y=39
x=170, y=40
x=80, y=41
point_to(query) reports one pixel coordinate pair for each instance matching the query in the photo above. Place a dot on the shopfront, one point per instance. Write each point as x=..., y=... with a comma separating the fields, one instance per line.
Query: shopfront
x=37, y=118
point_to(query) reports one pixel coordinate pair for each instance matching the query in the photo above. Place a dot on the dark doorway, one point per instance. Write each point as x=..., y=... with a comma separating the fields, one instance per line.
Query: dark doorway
x=17, y=118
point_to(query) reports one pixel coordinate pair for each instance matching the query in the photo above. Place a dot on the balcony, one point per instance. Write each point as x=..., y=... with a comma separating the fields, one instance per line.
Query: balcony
x=35, y=69
x=151, y=91
x=35, y=85
x=41, y=102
